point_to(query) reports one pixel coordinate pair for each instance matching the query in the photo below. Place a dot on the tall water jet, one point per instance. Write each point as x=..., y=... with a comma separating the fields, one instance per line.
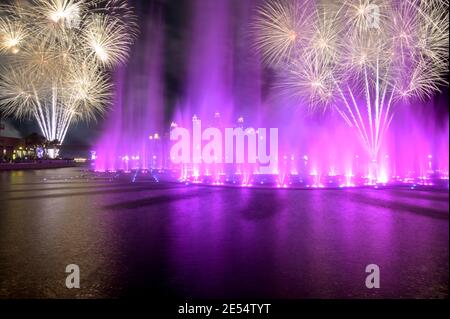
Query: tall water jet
x=210, y=60
x=134, y=127
x=209, y=96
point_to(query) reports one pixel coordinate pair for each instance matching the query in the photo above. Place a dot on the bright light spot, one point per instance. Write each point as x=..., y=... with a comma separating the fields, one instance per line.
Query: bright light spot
x=292, y=36
x=100, y=51
x=68, y=12
x=323, y=43
x=12, y=42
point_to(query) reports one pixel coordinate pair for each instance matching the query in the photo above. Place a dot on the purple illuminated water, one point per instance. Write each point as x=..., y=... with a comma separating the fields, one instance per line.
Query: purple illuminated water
x=162, y=240
x=226, y=86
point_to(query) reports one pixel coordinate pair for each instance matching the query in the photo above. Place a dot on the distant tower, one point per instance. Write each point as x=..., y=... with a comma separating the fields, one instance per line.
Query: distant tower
x=240, y=122
x=217, y=119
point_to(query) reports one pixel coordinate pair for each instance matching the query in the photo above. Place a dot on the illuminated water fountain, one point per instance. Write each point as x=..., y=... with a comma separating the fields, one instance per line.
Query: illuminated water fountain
x=226, y=87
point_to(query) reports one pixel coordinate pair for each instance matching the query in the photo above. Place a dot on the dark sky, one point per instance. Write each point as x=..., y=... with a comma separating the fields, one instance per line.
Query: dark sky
x=175, y=17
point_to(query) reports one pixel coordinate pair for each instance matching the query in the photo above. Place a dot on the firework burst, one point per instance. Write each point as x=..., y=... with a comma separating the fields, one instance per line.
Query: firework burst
x=106, y=36
x=58, y=54
x=360, y=56
x=279, y=28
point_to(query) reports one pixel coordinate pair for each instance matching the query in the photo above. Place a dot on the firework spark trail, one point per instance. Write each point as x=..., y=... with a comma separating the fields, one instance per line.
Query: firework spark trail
x=280, y=27
x=380, y=51
x=59, y=53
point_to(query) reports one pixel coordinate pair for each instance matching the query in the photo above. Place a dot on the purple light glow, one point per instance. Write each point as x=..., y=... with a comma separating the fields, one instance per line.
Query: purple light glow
x=225, y=88
x=137, y=111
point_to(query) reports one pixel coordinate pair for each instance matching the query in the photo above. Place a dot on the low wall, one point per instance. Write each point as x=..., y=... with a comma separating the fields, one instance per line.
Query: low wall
x=45, y=164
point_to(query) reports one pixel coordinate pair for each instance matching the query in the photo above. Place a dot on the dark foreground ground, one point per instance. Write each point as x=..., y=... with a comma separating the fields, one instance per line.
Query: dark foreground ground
x=169, y=240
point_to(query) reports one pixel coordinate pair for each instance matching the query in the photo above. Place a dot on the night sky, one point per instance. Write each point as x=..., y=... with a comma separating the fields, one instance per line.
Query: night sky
x=175, y=16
